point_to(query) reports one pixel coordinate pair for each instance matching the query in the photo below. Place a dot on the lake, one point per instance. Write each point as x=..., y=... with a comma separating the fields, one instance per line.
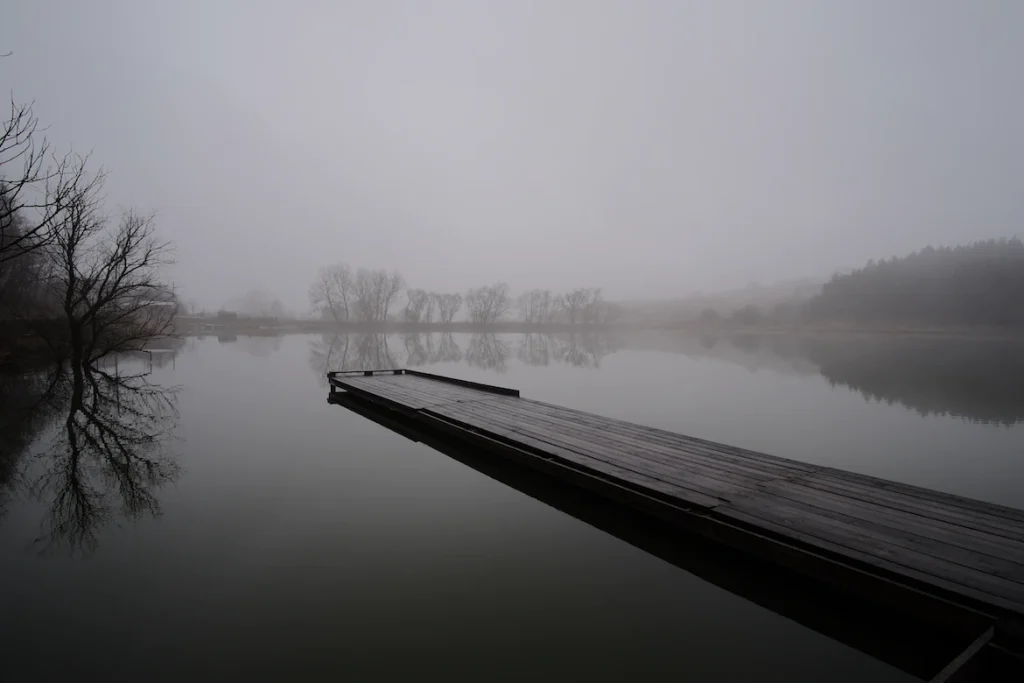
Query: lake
x=217, y=517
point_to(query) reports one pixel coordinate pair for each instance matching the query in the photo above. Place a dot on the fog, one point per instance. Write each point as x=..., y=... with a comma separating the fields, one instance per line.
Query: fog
x=650, y=148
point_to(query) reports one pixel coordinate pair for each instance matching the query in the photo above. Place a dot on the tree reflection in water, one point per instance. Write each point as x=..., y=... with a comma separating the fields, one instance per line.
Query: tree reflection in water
x=425, y=349
x=28, y=409
x=350, y=351
x=973, y=378
x=107, y=456
x=338, y=352
x=488, y=352
x=446, y=351
x=535, y=349
x=579, y=349
x=582, y=350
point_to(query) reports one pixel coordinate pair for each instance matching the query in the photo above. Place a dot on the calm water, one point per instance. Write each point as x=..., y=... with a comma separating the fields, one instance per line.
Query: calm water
x=250, y=530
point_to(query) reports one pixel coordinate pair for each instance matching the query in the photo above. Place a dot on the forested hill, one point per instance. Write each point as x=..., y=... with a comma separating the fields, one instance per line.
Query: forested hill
x=974, y=285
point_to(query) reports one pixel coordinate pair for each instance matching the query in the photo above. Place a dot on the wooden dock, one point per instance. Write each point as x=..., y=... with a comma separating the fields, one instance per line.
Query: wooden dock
x=952, y=561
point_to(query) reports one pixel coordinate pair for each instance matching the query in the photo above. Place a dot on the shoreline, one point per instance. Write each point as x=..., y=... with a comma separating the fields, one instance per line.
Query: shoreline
x=693, y=330
x=829, y=331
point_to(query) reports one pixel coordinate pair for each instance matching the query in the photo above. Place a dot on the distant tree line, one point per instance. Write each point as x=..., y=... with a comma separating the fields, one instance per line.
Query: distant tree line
x=975, y=285
x=342, y=295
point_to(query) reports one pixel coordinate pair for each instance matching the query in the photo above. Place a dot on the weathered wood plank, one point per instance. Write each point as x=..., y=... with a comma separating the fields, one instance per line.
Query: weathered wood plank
x=895, y=534
x=654, y=434
x=367, y=385
x=893, y=570
x=490, y=388
x=556, y=446
x=615, y=450
x=635, y=444
x=399, y=388
x=712, y=479
x=880, y=544
x=429, y=392
x=692, y=491
x=916, y=492
x=659, y=499
x=595, y=424
x=926, y=526
x=969, y=519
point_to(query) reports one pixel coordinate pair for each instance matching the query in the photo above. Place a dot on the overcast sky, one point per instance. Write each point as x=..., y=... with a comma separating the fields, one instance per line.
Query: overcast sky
x=652, y=148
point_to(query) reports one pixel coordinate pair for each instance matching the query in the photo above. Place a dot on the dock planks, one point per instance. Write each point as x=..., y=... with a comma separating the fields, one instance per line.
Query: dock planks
x=951, y=554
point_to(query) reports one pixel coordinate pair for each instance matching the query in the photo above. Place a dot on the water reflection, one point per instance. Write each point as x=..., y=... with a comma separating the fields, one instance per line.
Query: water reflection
x=257, y=346
x=348, y=351
x=417, y=352
x=352, y=352
x=971, y=378
x=425, y=349
x=28, y=408
x=582, y=350
x=579, y=350
x=488, y=352
x=447, y=350
x=978, y=381
x=535, y=349
x=90, y=443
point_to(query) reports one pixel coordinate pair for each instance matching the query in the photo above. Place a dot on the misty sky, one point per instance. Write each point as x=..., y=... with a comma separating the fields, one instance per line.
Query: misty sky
x=653, y=148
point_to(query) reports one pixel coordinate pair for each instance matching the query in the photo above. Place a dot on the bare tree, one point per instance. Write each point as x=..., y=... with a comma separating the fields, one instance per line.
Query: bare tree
x=489, y=303
x=448, y=305
x=527, y=309
x=555, y=308
x=431, y=306
x=390, y=286
x=574, y=303
x=106, y=281
x=545, y=306
x=594, y=308
x=535, y=306
x=22, y=155
x=29, y=199
x=332, y=292
x=375, y=292
x=365, y=295
x=416, y=301
x=19, y=279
